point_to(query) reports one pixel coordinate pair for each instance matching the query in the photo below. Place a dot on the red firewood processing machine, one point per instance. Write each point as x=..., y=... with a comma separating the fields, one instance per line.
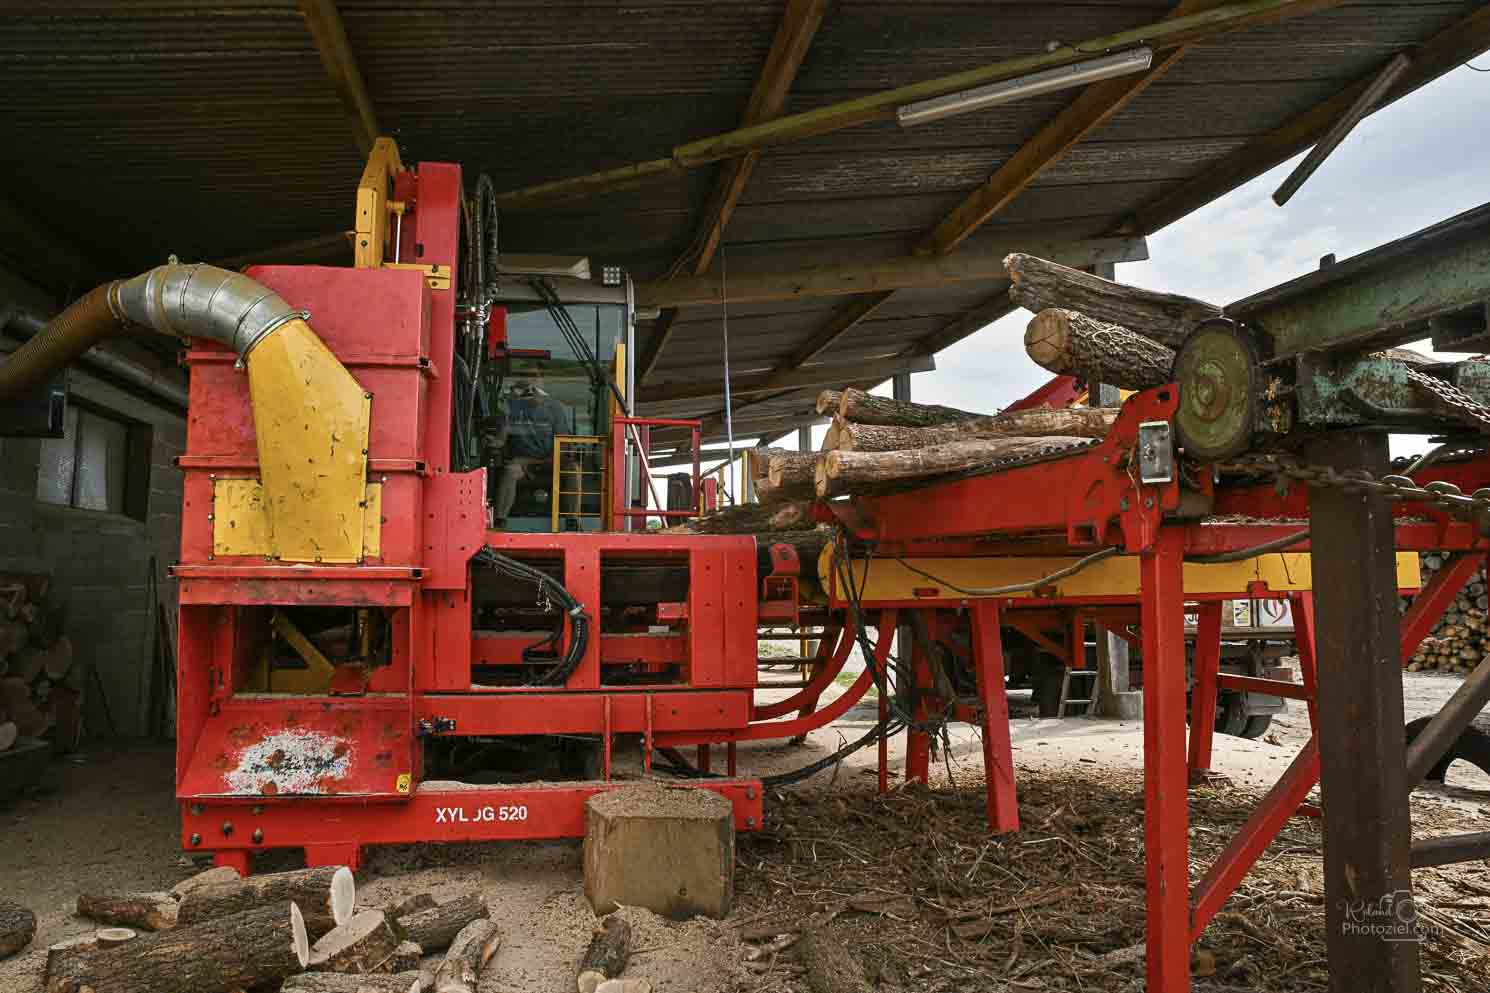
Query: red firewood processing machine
x=403, y=620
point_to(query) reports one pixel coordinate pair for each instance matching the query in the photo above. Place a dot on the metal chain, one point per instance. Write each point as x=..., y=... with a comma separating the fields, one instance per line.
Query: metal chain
x=1443, y=495
x=1452, y=399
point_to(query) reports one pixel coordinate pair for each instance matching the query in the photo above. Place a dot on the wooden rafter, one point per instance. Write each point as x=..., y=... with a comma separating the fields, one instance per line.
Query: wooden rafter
x=1451, y=47
x=324, y=22
x=793, y=39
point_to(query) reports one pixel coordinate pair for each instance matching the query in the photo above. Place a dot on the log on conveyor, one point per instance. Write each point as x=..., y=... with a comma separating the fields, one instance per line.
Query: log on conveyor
x=327, y=896
x=1071, y=343
x=1163, y=317
x=866, y=408
x=828, y=402
x=841, y=472
x=460, y=972
x=790, y=474
x=1070, y=422
x=743, y=518
x=758, y=460
x=435, y=927
x=606, y=956
x=258, y=947
x=150, y=911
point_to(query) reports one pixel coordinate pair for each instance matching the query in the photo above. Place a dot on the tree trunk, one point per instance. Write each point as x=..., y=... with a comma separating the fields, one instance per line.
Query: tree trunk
x=1164, y=317
x=209, y=877
x=831, y=967
x=258, y=947
x=17, y=928
x=436, y=928
x=363, y=944
x=1072, y=343
x=605, y=958
x=335, y=982
x=151, y=911
x=477, y=942
x=791, y=470
x=866, y=408
x=326, y=895
x=870, y=472
x=828, y=402
x=1071, y=422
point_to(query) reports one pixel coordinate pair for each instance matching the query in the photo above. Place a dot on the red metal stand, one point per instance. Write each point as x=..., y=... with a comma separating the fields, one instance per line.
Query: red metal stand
x=998, y=752
x=1203, y=696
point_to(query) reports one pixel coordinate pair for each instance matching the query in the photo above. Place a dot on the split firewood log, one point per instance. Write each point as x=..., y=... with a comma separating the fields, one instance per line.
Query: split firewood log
x=606, y=956
x=1163, y=317
x=866, y=408
x=841, y=472
x=208, y=877
x=412, y=905
x=1071, y=343
x=259, y=947
x=17, y=928
x=831, y=967
x=828, y=402
x=1070, y=422
x=150, y=911
x=436, y=927
x=460, y=972
x=405, y=958
x=327, y=896
x=363, y=944
x=8, y=734
x=336, y=982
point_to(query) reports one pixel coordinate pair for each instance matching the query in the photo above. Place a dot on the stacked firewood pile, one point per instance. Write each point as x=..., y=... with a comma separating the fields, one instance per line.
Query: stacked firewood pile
x=41, y=688
x=296, y=932
x=1462, y=636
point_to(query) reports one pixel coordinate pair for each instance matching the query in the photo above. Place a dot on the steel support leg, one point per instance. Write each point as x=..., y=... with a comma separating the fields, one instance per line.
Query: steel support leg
x=238, y=858
x=1366, y=826
x=1203, y=696
x=1301, y=607
x=1166, y=812
x=998, y=751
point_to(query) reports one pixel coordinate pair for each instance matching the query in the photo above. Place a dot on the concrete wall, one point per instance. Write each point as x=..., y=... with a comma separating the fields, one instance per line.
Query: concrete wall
x=99, y=562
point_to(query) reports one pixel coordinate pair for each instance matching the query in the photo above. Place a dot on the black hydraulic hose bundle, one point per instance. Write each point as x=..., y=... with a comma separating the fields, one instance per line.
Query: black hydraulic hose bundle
x=552, y=591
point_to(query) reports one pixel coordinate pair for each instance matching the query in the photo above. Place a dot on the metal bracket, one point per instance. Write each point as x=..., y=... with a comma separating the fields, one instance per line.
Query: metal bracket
x=1155, y=453
x=438, y=725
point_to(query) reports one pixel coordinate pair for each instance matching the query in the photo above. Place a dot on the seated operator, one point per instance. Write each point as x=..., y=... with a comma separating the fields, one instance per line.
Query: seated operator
x=532, y=418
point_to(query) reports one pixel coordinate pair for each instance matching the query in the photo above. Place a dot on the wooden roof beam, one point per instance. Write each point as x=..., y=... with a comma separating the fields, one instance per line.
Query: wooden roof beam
x=794, y=36
x=324, y=22
x=1455, y=45
x=881, y=106
x=875, y=277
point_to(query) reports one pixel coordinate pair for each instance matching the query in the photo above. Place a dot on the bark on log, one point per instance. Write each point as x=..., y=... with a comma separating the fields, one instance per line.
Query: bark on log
x=744, y=518
x=794, y=515
x=405, y=958
x=63, y=956
x=828, y=402
x=759, y=460
x=831, y=967
x=1071, y=343
x=769, y=495
x=477, y=942
x=436, y=928
x=209, y=877
x=150, y=911
x=606, y=956
x=335, y=982
x=868, y=472
x=327, y=896
x=1070, y=422
x=258, y=947
x=866, y=408
x=787, y=470
x=17, y=928
x=1164, y=317
x=412, y=905
x=363, y=944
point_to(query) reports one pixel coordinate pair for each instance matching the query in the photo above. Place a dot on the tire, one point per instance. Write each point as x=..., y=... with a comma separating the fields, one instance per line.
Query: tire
x=1231, y=715
x=1256, y=726
x=1473, y=747
x=1047, y=678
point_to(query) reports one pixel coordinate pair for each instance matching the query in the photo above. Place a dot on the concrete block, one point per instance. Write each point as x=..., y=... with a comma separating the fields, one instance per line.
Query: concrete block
x=668, y=849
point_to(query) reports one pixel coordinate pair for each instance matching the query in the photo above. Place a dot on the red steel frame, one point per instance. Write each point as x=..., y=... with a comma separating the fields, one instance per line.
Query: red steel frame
x=1102, y=505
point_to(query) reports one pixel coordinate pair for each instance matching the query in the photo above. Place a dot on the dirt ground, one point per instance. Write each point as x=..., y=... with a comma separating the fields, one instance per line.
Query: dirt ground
x=109, y=823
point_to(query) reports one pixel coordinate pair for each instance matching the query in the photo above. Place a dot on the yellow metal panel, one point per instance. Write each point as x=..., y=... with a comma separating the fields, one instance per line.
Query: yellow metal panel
x=889, y=579
x=240, y=524
x=311, y=418
x=383, y=164
x=436, y=277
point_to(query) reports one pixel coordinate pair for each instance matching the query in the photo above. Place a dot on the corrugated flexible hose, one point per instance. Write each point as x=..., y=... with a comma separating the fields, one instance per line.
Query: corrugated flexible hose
x=66, y=337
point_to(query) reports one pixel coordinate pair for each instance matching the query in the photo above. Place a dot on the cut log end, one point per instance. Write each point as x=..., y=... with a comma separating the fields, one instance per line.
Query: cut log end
x=299, y=939
x=1045, y=339
x=112, y=937
x=363, y=944
x=343, y=895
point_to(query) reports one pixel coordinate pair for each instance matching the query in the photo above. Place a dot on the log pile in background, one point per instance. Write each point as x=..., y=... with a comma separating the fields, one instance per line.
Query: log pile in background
x=1462, y=636
x=41, y=688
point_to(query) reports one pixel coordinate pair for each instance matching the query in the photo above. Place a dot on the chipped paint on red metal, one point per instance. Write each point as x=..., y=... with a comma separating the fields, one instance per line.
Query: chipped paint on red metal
x=304, y=746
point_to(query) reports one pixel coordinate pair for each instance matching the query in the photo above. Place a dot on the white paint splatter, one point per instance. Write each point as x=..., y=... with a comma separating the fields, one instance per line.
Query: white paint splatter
x=292, y=761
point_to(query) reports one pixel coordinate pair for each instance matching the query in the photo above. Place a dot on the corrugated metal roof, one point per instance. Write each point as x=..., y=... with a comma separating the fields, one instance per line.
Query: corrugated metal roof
x=146, y=128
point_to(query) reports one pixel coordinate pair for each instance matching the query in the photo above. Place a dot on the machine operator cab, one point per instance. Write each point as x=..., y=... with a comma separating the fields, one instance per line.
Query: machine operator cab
x=550, y=379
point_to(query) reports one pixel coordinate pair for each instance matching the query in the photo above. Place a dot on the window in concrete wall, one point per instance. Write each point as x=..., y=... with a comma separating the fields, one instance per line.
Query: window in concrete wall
x=102, y=462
